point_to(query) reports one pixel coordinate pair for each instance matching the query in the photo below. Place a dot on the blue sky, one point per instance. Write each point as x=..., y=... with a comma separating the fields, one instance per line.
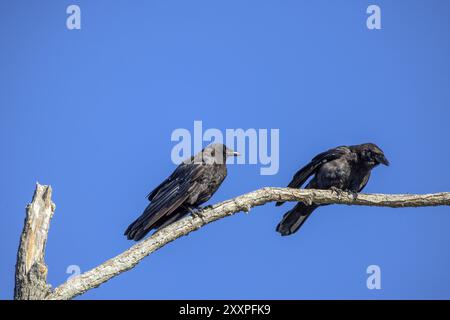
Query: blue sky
x=91, y=112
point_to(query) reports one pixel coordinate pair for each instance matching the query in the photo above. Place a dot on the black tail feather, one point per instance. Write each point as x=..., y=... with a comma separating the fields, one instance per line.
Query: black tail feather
x=294, y=218
x=139, y=229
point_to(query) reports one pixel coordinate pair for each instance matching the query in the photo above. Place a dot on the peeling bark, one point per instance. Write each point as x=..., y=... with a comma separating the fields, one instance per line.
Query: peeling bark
x=31, y=271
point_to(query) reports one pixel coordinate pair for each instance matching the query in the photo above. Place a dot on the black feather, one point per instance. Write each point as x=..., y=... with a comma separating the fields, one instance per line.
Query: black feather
x=345, y=168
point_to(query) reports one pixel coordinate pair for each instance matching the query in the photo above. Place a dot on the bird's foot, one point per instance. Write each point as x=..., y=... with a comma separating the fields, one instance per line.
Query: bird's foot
x=196, y=212
x=354, y=195
x=337, y=191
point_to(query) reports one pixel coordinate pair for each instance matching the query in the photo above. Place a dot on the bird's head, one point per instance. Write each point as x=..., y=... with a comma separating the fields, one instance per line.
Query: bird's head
x=372, y=155
x=217, y=153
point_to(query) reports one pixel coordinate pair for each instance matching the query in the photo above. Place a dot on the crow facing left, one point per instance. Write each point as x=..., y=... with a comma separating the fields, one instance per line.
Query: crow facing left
x=191, y=184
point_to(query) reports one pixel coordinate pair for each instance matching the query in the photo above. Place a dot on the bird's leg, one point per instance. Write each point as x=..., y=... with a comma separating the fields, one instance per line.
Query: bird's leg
x=196, y=212
x=337, y=190
x=193, y=210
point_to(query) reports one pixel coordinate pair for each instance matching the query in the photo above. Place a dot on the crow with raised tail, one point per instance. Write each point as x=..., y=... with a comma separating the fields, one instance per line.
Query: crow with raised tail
x=192, y=183
x=345, y=168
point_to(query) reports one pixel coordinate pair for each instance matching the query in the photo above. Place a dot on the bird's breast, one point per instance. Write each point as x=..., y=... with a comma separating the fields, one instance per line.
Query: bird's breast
x=210, y=182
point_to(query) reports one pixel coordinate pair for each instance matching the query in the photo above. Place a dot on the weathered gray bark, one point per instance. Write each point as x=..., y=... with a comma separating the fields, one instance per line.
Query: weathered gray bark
x=31, y=271
x=128, y=259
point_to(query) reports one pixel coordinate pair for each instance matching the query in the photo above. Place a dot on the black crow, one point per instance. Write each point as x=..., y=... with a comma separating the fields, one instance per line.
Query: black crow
x=192, y=183
x=345, y=168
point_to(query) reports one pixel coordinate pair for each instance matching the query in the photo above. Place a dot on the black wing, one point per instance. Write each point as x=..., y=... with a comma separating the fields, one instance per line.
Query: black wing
x=304, y=173
x=364, y=182
x=179, y=171
x=166, y=199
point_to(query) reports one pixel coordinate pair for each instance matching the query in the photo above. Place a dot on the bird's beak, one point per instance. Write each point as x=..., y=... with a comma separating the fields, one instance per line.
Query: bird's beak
x=231, y=153
x=382, y=159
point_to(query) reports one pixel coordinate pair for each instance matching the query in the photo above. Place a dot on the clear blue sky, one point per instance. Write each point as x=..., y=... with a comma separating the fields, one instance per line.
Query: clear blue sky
x=91, y=112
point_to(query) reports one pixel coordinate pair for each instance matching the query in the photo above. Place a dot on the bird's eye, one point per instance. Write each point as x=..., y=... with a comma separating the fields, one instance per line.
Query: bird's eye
x=213, y=153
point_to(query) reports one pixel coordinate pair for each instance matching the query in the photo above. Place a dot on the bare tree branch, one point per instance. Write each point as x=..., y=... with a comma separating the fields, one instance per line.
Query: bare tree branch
x=31, y=271
x=131, y=257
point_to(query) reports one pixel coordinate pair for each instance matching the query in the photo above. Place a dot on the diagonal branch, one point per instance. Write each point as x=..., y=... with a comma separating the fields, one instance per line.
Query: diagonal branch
x=131, y=257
